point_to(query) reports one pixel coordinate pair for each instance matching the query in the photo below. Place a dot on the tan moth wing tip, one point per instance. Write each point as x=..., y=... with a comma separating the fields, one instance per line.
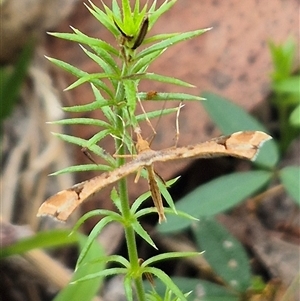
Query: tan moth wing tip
x=263, y=139
x=51, y=215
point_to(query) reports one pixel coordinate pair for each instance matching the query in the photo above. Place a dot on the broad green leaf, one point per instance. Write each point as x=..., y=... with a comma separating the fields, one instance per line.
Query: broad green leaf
x=224, y=253
x=289, y=85
x=295, y=117
x=231, y=118
x=290, y=178
x=282, y=57
x=216, y=196
x=88, y=289
x=49, y=239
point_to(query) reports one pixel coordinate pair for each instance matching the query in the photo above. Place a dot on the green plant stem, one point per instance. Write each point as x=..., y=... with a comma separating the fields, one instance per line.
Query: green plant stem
x=129, y=231
x=130, y=238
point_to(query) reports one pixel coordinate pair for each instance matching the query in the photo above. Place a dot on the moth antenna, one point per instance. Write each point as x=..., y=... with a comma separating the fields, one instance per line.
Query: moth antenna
x=181, y=105
x=144, y=112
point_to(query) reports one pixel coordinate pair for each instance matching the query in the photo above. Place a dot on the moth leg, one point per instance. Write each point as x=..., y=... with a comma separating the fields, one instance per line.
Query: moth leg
x=155, y=193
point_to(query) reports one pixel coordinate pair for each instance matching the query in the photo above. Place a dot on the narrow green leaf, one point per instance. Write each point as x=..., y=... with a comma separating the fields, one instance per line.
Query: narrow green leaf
x=165, y=193
x=167, y=281
x=85, y=143
x=216, y=196
x=163, y=79
x=138, y=202
x=231, y=118
x=170, y=256
x=93, y=213
x=131, y=96
x=143, y=63
x=93, y=78
x=114, y=195
x=156, y=13
x=143, y=234
x=224, y=253
x=92, y=237
x=127, y=15
x=170, y=96
x=116, y=11
x=81, y=38
x=103, y=64
x=155, y=114
x=84, y=121
x=117, y=259
x=98, y=137
x=107, y=109
x=290, y=178
x=103, y=273
x=103, y=18
x=171, y=41
x=83, y=76
x=81, y=168
x=205, y=290
x=88, y=107
x=159, y=37
x=104, y=54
